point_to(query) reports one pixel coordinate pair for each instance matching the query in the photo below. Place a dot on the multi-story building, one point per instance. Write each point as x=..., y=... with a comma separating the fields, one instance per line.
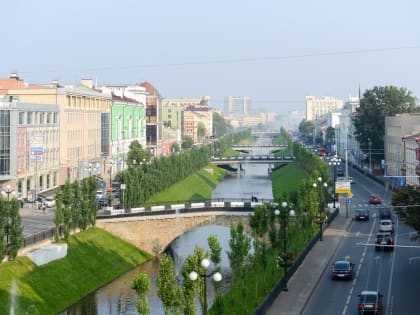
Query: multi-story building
x=30, y=139
x=319, y=107
x=411, y=169
x=396, y=128
x=237, y=105
x=84, y=125
x=193, y=117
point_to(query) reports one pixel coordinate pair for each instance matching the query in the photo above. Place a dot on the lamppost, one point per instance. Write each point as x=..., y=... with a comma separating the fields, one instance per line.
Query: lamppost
x=335, y=161
x=216, y=277
x=320, y=219
x=8, y=191
x=370, y=156
x=283, y=258
x=110, y=164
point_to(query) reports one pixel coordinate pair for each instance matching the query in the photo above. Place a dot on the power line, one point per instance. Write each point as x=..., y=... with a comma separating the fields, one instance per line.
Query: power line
x=238, y=60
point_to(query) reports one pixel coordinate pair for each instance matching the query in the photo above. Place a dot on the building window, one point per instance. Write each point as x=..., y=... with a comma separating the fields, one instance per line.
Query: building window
x=41, y=118
x=21, y=118
x=28, y=118
x=4, y=142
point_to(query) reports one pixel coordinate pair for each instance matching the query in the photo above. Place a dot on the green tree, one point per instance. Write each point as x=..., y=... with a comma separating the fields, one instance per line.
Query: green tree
x=167, y=286
x=201, y=130
x=375, y=105
x=329, y=138
x=15, y=228
x=406, y=201
x=137, y=153
x=306, y=128
x=220, y=125
x=141, y=284
x=187, y=142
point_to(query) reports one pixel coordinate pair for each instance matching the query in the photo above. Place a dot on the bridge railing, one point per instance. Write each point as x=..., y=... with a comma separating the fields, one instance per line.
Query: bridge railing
x=236, y=205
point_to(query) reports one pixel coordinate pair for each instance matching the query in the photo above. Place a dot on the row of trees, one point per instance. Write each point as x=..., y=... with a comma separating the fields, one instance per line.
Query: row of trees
x=146, y=177
x=252, y=259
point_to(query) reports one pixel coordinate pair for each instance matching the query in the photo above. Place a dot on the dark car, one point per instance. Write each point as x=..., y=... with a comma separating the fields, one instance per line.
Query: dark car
x=370, y=302
x=102, y=202
x=375, y=199
x=384, y=213
x=342, y=269
x=361, y=214
x=384, y=241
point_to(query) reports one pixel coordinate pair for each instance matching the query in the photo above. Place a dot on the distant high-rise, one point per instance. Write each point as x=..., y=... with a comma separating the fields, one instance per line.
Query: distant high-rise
x=237, y=105
x=318, y=107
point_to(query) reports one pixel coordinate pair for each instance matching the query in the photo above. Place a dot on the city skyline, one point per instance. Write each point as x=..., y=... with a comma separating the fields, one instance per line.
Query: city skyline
x=275, y=53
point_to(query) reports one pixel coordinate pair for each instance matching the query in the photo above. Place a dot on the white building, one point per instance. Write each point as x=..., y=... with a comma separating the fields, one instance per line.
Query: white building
x=318, y=107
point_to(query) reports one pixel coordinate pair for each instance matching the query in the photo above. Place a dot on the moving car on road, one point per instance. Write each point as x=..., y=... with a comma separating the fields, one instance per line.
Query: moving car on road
x=384, y=213
x=342, y=269
x=375, y=199
x=49, y=202
x=384, y=241
x=370, y=302
x=361, y=214
x=386, y=225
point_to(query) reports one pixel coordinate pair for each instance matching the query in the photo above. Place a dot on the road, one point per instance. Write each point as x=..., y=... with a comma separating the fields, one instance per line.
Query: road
x=395, y=274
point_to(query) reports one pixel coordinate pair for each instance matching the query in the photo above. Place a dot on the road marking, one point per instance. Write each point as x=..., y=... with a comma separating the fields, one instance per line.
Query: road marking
x=388, y=299
x=413, y=258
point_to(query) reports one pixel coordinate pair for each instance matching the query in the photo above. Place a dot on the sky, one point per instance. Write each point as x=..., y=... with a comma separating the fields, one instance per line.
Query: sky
x=274, y=51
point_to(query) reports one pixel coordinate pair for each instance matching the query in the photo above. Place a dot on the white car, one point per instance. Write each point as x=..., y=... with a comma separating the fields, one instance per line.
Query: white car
x=49, y=202
x=386, y=226
x=99, y=194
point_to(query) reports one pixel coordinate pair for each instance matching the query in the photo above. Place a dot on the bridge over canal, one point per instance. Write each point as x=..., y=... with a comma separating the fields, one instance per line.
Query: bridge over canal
x=158, y=226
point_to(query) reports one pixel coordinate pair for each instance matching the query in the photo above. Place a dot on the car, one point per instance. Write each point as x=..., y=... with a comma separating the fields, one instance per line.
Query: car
x=342, y=269
x=99, y=194
x=386, y=225
x=384, y=241
x=375, y=199
x=102, y=202
x=49, y=202
x=361, y=214
x=370, y=302
x=384, y=213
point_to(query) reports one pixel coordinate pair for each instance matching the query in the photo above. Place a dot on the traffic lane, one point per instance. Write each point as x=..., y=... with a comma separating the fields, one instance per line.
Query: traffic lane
x=331, y=296
x=34, y=225
x=405, y=287
x=369, y=186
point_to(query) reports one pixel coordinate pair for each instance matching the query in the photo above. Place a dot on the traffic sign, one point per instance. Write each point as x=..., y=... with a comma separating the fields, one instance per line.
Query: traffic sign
x=350, y=194
x=342, y=187
x=349, y=200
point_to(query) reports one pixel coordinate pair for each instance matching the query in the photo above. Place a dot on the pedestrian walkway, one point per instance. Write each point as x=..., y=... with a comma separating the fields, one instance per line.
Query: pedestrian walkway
x=305, y=279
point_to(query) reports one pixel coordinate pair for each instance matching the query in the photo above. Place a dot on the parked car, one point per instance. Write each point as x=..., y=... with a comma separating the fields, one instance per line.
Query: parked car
x=384, y=213
x=384, y=241
x=342, y=269
x=49, y=202
x=370, y=302
x=375, y=199
x=99, y=194
x=386, y=225
x=361, y=214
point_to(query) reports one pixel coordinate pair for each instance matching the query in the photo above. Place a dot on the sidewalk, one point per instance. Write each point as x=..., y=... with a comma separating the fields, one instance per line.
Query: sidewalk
x=305, y=279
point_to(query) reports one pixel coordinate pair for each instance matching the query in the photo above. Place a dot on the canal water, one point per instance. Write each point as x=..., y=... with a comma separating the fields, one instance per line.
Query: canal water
x=117, y=298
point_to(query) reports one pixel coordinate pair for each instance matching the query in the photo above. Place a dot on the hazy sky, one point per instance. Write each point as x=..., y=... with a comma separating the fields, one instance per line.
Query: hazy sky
x=275, y=51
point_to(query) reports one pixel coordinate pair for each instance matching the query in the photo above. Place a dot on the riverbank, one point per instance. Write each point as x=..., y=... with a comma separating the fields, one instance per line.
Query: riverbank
x=94, y=258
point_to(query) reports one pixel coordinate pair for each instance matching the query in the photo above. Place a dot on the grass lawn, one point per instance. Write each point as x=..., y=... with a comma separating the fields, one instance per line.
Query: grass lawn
x=286, y=179
x=94, y=258
x=198, y=186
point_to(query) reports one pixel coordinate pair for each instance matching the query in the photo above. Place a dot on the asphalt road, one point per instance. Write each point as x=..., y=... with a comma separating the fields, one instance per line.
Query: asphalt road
x=395, y=274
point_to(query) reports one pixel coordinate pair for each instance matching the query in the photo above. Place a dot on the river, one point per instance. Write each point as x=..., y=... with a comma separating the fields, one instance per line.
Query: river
x=117, y=298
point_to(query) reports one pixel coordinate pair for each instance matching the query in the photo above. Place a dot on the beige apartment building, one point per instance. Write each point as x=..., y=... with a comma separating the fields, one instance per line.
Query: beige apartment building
x=84, y=126
x=317, y=107
x=193, y=117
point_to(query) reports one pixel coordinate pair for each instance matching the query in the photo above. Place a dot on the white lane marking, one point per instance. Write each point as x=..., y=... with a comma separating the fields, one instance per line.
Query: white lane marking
x=391, y=277
x=358, y=269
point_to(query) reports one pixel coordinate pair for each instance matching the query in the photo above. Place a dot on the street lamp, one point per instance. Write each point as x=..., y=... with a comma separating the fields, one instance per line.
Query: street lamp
x=283, y=258
x=8, y=191
x=110, y=164
x=320, y=219
x=335, y=161
x=217, y=277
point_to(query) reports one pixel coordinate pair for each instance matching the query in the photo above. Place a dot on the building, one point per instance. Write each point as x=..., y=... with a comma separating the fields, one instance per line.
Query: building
x=237, y=105
x=84, y=126
x=193, y=119
x=411, y=167
x=396, y=128
x=318, y=107
x=29, y=156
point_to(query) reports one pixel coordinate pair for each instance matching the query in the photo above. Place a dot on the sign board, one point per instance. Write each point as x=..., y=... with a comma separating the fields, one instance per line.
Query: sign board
x=37, y=153
x=349, y=200
x=342, y=187
x=350, y=195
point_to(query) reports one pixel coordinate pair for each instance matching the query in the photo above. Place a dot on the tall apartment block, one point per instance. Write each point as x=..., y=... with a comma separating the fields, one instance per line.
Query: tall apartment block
x=317, y=107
